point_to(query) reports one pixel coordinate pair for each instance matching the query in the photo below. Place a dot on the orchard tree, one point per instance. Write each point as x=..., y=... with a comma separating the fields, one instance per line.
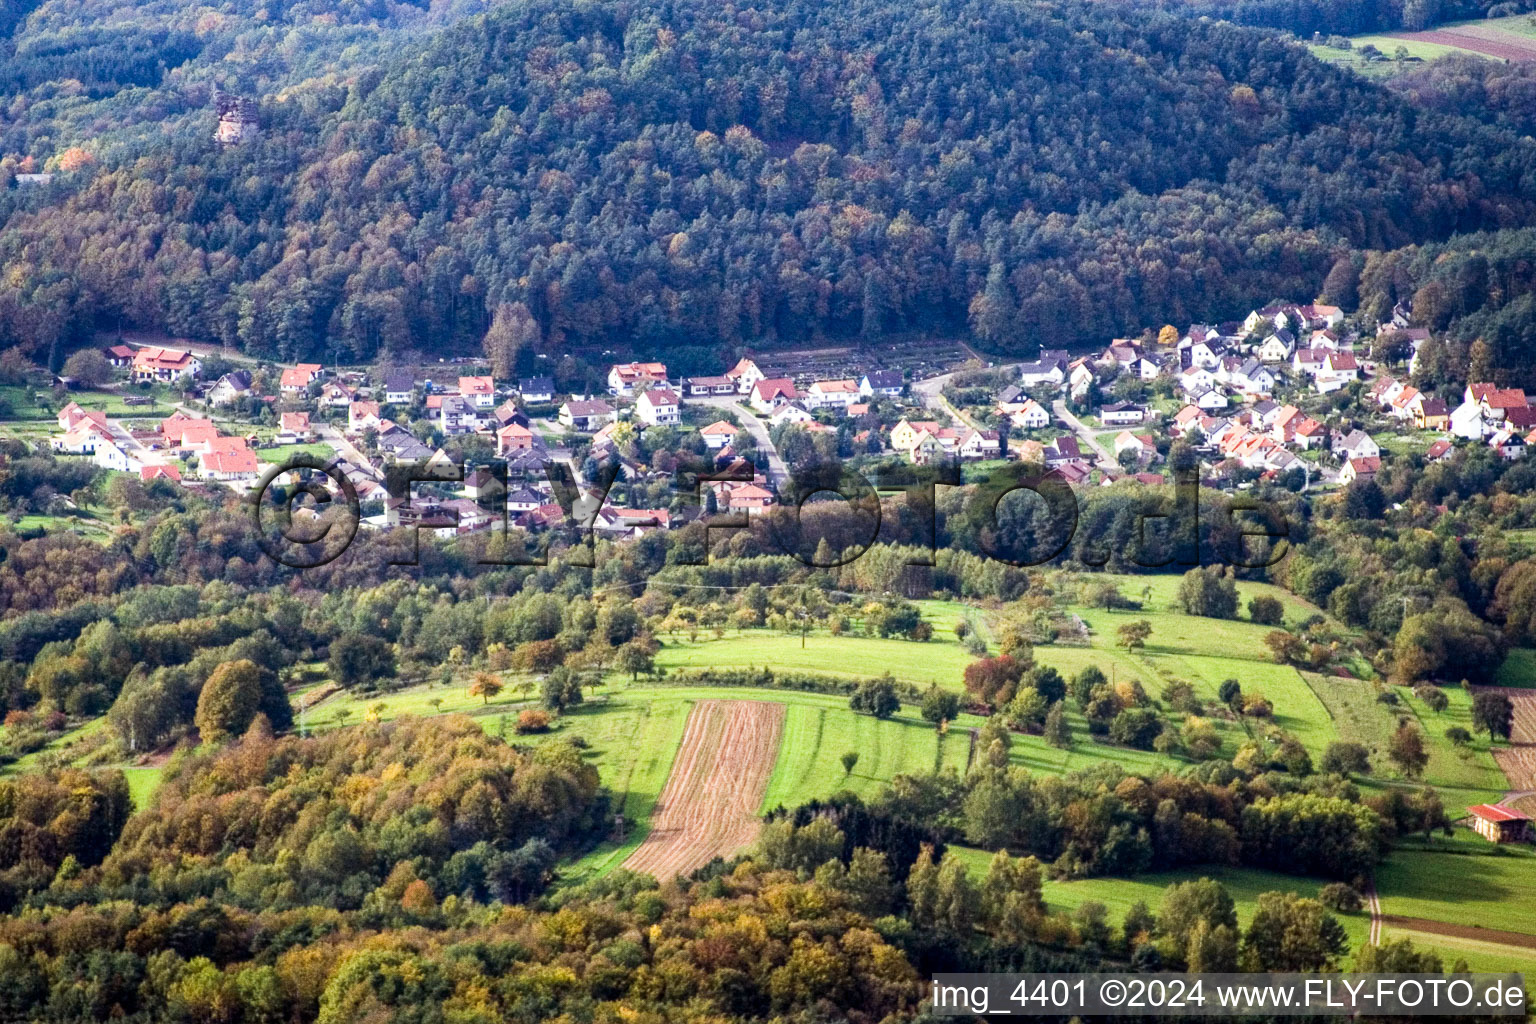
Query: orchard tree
x=1406, y=749
x=1133, y=635
x=485, y=686
x=1494, y=712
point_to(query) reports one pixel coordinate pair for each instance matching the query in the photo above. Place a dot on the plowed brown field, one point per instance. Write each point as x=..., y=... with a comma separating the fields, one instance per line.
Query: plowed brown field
x=1477, y=39
x=1518, y=759
x=709, y=805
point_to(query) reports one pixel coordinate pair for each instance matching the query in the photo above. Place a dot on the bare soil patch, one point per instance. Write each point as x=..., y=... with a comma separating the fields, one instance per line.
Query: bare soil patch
x=1462, y=931
x=1518, y=758
x=1488, y=41
x=709, y=806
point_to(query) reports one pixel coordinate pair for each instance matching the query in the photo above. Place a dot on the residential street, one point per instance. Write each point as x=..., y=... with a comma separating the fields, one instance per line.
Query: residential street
x=777, y=471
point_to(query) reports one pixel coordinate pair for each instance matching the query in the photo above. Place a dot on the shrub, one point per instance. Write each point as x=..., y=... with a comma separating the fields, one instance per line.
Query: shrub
x=1341, y=897
x=532, y=720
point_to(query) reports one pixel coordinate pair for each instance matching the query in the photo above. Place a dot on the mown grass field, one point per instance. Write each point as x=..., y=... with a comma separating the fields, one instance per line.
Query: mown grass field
x=816, y=735
x=941, y=660
x=1464, y=776
x=1477, y=886
x=1118, y=894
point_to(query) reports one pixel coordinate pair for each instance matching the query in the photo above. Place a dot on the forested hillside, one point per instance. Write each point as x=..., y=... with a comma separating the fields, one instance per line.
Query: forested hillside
x=701, y=173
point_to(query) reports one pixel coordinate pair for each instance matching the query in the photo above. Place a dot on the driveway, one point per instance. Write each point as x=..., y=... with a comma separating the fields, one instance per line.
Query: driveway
x=1059, y=407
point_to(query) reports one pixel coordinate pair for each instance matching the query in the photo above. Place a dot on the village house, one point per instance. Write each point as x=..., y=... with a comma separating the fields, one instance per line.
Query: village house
x=1122, y=413
x=1080, y=379
x=119, y=356
x=1496, y=402
x=1508, y=444
x=153, y=471
x=1360, y=469
x=508, y=412
x=1011, y=399
x=481, y=484
x=524, y=500
x=792, y=412
x=1311, y=434
x=537, y=390
x=979, y=444
x=702, y=387
x=586, y=415
x=1469, y=420
x=229, y=388
x=881, y=382
x=363, y=416
x=399, y=387
x=1356, y=444
x=295, y=381
x=658, y=407
x=745, y=374
x=1050, y=370
x=1196, y=379
x=1062, y=451
x=1278, y=347
x=769, y=394
x=1439, y=451
x=623, y=378
x=749, y=498
x=293, y=428
x=481, y=391
x=1210, y=399
x=718, y=434
x=1030, y=416
x=455, y=414
x=627, y=523
x=837, y=394
x=1143, y=445
x=337, y=395
x=231, y=465
x=164, y=365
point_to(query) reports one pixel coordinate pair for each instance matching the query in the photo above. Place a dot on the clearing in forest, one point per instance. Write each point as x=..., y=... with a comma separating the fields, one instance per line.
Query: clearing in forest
x=709, y=806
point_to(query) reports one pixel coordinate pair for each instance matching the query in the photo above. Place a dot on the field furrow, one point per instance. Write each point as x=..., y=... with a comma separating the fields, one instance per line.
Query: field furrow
x=709, y=806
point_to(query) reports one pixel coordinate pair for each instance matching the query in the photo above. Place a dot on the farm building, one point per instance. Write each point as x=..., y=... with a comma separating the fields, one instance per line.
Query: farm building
x=1499, y=824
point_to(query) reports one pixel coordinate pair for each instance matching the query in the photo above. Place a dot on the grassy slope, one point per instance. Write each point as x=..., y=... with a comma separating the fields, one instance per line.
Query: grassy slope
x=1117, y=894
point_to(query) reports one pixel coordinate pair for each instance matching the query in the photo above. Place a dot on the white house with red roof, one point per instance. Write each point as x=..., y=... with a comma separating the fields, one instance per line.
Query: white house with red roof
x=745, y=374
x=481, y=391
x=770, y=393
x=164, y=365
x=659, y=407
x=623, y=378
x=718, y=434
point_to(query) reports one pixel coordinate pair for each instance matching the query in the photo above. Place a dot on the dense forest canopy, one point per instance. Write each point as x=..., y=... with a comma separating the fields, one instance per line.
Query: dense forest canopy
x=692, y=173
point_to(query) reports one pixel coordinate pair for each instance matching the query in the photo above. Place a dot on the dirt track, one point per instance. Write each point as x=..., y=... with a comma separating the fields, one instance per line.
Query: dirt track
x=1518, y=758
x=1479, y=40
x=709, y=805
x=1462, y=931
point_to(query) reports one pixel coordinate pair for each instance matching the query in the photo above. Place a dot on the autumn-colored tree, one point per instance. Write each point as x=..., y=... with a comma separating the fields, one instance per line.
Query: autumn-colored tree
x=485, y=686
x=229, y=700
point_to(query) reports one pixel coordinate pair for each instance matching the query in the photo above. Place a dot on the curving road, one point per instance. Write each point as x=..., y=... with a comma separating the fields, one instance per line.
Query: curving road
x=777, y=471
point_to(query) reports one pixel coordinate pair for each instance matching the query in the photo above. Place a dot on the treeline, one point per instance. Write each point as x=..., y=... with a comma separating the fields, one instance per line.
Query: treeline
x=680, y=176
x=1336, y=17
